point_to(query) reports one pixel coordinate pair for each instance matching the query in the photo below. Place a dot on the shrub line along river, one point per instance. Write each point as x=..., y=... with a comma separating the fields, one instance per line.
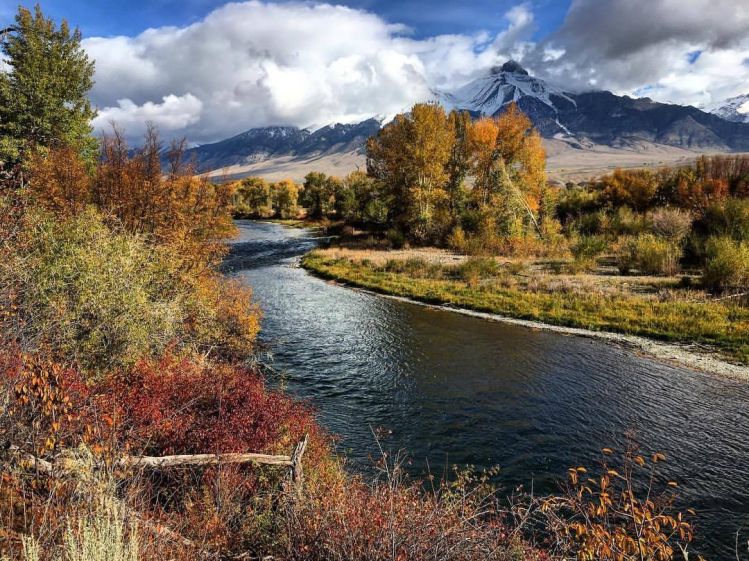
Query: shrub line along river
x=451, y=389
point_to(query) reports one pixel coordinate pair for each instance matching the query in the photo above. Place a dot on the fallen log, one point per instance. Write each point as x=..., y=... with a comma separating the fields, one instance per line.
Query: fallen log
x=202, y=460
x=293, y=462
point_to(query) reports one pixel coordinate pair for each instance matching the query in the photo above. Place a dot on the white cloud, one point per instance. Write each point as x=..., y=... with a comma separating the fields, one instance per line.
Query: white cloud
x=254, y=63
x=635, y=46
x=174, y=113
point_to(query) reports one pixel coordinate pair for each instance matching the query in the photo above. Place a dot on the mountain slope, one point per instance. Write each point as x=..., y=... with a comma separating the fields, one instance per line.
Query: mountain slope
x=612, y=127
x=733, y=109
x=598, y=116
x=266, y=143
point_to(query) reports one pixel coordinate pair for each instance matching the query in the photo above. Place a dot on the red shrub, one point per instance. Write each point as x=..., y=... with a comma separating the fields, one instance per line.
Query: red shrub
x=45, y=401
x=173, y=406
x=401, y=520
x=699, y=195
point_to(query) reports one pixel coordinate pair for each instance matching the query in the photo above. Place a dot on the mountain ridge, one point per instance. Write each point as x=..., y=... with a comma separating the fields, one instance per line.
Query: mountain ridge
x=581, y=120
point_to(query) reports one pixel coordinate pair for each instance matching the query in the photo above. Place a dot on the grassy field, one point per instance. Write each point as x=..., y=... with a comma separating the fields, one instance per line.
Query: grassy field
x=654, y=307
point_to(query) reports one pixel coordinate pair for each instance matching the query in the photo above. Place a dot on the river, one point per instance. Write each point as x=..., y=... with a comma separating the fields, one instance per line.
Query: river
x=457, y=390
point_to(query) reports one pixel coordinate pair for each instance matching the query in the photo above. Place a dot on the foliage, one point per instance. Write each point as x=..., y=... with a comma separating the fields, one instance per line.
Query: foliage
x=608, y=516
x=60, y=181
x=103, y=535
x=43, y=401
x=101, y=298
x=672, y=224
x=649, y=254
x=508, y=163
x=393, y=518
x=728, y=218
x=698, y=194
x=170, y=206
x=633, y=188
x=252, y=198
x=726, y=264
x=319, y=194
x=586, y=251
x=575, y=202
x=410, y=155
x=175, y=406
x=284, y=199
x=43, y=90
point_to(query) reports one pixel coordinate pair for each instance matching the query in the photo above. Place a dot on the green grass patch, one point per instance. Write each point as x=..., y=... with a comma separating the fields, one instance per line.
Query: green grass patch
x=720, y=325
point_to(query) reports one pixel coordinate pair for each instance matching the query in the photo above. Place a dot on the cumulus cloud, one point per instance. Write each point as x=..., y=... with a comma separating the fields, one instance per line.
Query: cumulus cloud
x=256, y=63
x=253, y=64
x=684, y=52
x=174, y=113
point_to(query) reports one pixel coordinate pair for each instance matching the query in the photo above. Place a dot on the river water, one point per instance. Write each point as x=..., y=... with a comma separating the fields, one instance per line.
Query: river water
x=456, y=390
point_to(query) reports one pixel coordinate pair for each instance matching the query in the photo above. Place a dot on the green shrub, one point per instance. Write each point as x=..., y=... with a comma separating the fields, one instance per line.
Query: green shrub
x=414, y=267
x=672, y=224
x=726, y=264
x=457, y=240
x=592, y=224
x=103, y=299
x=728, y=218
x=649, y=254
x=476, y=268
x=589, y=247
x=396, y=238
x=625, y=222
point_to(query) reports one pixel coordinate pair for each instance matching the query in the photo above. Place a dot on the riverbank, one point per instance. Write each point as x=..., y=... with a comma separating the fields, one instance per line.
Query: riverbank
x=651, y=315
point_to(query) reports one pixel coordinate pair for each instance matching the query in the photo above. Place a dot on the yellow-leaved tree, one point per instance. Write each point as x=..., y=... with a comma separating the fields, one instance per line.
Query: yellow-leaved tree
x=508, y=165
x=410, y=156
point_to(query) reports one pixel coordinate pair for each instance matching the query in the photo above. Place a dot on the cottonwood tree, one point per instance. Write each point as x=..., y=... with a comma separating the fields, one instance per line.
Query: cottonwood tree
x=410, y=155
x=508, y=165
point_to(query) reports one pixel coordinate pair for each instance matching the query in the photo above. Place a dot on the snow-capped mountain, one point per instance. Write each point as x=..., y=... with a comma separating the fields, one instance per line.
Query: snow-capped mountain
x=733, y=109
x=580, y=119
x=599, y=117
x=489, y=94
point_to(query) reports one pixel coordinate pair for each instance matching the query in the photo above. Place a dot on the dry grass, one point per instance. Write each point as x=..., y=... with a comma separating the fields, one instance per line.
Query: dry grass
x=653, y=307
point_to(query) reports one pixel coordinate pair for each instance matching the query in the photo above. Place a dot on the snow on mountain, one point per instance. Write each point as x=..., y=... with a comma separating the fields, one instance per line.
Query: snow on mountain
x=733, y=109
x=579, y=119
x=504, y=84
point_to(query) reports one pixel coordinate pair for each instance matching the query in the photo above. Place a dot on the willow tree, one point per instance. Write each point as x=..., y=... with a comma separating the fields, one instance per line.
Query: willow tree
x=508, y=166
x=410, y=156
x=43, y=92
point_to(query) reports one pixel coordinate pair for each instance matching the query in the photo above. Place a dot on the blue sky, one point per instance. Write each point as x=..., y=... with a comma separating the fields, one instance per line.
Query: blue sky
x=424, y=17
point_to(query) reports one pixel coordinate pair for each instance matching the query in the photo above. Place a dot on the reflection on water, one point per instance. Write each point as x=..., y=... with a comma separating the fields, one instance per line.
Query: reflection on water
x=461, y=390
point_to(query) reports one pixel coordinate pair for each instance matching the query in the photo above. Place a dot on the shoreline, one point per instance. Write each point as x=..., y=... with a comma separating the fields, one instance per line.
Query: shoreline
x=677, y=354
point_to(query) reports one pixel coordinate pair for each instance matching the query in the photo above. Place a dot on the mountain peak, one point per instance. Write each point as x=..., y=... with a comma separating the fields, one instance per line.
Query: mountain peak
x=511, y=66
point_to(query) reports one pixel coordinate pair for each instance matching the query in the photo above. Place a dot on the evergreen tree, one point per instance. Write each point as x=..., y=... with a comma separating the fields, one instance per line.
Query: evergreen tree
x=43, y=99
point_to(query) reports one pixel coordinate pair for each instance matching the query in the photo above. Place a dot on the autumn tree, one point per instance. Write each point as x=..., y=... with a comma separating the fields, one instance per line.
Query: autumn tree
x=318, y=194
x=285, y=196
x=60, y=180
x=636, y=189
x=458, y=165
x=508, y=165
x=43, y=99
x=410, y=156
x=253, y=198
x=170, y=206
x=364, y=199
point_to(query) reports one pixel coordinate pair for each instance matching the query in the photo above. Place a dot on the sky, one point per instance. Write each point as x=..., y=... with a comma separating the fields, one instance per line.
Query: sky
x=207, y=69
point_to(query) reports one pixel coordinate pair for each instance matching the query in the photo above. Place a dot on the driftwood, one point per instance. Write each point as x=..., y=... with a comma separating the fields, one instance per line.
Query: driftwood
x=202, y=460
x=293, y=462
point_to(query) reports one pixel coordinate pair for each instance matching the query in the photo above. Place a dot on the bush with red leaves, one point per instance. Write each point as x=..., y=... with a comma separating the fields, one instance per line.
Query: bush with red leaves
x=175, y=406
